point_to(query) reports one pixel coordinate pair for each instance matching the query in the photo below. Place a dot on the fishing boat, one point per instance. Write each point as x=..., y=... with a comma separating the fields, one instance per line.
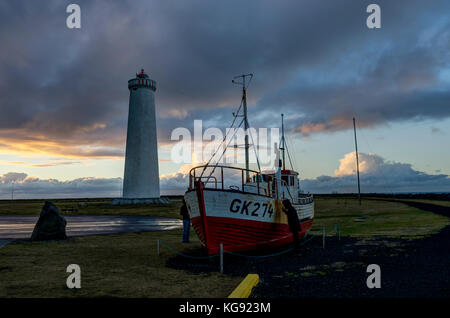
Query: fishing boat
x=241, y=209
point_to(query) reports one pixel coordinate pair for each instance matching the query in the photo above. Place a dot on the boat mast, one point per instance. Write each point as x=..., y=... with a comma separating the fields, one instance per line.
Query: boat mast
x=246, y=126
x=357, y=162
x=283, y=147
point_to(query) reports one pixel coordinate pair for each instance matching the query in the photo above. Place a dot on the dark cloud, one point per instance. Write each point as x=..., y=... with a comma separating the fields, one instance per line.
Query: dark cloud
x=12, y=177
x=35, y=188
x=175, y=181
x=64, y=91
x=437, y=131
x=42, y=165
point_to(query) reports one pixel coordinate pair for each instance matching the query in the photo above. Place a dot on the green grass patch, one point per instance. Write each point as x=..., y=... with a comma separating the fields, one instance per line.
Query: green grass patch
x=381, y=218
x=435, y=202
x=123, y=265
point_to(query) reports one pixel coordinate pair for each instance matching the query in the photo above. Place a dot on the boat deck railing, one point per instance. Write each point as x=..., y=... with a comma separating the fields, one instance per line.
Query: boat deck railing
x=305, y=200
x=256, y=183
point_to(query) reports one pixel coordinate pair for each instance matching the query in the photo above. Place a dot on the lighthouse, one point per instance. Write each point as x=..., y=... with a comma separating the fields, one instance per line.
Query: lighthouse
x=141, y=175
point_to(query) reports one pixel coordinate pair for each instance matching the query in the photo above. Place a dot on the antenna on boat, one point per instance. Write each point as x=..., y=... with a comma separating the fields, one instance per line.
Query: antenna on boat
x=357, y=161
x=246, y=126
x=284, y=147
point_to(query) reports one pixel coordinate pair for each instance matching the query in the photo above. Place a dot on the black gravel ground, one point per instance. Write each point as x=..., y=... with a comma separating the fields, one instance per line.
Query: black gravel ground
x=409, y=268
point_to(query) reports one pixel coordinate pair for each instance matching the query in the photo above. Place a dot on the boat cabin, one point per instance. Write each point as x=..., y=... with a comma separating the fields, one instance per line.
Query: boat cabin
x=289, y=184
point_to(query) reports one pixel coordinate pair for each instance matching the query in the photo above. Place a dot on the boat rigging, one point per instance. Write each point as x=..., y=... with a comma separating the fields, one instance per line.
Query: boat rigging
x=239, y=208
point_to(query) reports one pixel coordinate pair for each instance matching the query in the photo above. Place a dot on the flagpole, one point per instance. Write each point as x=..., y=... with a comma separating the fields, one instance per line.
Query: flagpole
x=357, y=162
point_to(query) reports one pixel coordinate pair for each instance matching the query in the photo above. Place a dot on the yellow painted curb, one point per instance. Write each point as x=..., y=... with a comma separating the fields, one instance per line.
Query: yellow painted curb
x=244, y=289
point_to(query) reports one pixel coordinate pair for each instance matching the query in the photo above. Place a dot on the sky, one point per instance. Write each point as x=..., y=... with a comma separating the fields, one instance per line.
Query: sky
x=64, y=95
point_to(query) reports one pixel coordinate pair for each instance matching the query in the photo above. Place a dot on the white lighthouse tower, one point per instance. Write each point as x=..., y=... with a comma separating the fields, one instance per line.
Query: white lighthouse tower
x=141, y=176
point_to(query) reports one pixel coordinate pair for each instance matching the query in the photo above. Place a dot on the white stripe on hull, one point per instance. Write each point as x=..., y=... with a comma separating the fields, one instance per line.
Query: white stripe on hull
x=242, y=206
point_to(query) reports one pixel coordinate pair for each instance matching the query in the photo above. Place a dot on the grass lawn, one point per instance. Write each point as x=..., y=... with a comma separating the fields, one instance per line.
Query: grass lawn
x=123, y=265
x=435, y=202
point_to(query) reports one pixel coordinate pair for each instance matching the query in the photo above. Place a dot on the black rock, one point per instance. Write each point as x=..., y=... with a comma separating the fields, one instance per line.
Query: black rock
x=51, y=224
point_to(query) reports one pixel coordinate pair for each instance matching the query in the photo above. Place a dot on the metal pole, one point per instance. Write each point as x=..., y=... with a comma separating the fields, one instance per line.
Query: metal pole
x=357, y=162
x=323, y=237
x=257, y=181
x=339, y=232
x=283, y=142
x=247, y=173
x=158, y=249
x=221, y=258
x=246, y=126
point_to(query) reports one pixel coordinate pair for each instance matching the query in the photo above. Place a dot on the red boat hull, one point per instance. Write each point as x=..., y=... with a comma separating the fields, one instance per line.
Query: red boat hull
x=243, y=235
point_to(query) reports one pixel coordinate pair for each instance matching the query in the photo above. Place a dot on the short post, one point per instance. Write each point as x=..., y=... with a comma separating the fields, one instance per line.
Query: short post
x=221, y=258
x=323, y=237
x=158, y=249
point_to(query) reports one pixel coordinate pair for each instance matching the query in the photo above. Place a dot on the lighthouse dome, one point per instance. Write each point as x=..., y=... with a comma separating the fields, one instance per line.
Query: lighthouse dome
x=142, y=74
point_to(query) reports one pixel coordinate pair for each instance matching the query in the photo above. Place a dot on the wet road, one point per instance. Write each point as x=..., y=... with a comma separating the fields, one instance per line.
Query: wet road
x=3, y=242
x=15, y=227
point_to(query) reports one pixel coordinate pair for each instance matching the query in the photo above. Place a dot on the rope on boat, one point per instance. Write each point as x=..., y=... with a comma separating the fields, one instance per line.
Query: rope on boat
x=223, y=140
x=220, y=158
